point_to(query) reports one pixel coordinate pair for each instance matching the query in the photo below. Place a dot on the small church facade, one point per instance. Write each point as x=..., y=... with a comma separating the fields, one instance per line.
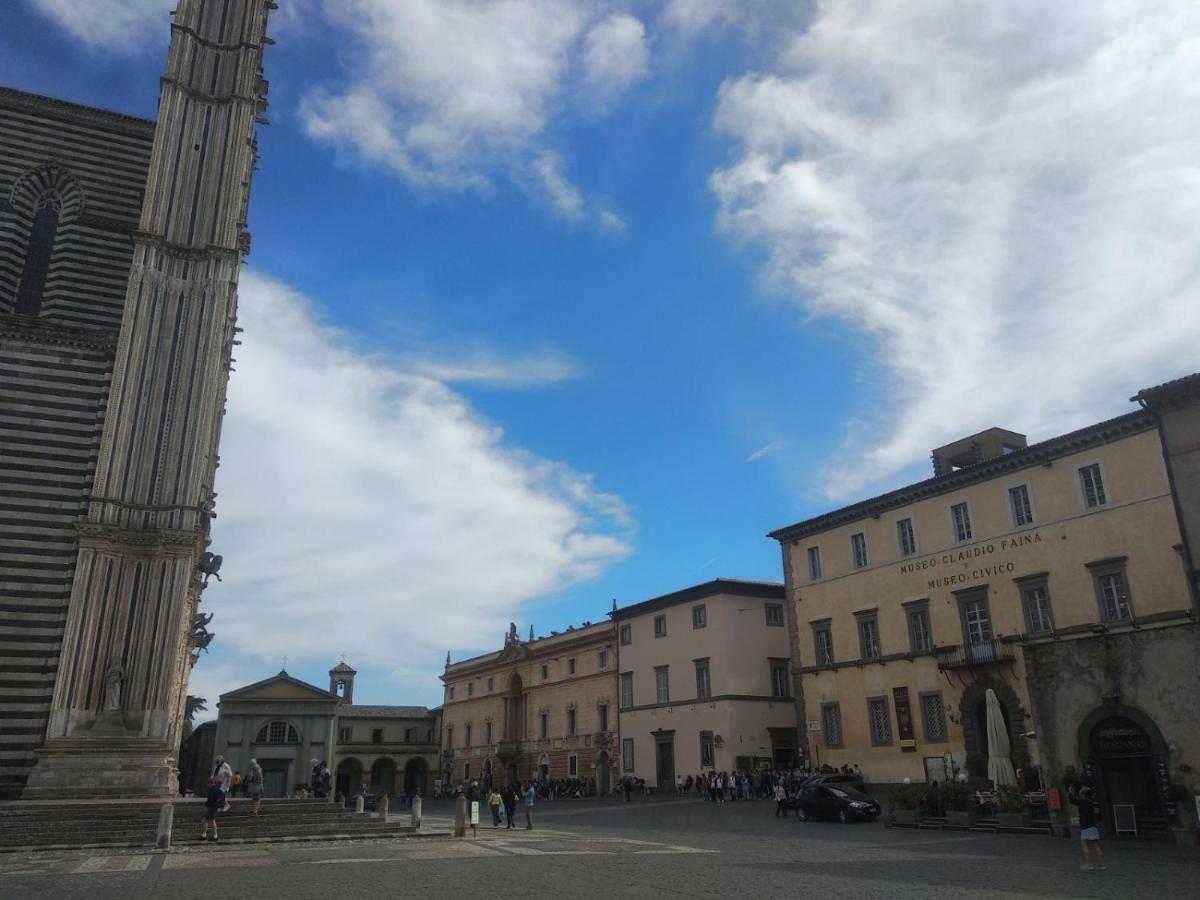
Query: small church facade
x=285, y=723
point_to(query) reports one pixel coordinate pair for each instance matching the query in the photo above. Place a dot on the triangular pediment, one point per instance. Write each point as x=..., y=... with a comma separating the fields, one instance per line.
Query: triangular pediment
x=512, y=651
x=279, y=687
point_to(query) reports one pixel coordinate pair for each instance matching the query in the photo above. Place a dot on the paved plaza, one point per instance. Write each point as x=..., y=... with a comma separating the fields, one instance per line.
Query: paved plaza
x=651, y=848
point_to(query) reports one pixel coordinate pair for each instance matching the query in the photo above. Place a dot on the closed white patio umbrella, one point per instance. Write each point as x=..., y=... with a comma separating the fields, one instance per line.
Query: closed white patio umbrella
x=1000, y=767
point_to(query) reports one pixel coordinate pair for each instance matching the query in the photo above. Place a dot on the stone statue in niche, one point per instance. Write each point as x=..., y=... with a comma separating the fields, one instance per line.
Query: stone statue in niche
x=112, y=688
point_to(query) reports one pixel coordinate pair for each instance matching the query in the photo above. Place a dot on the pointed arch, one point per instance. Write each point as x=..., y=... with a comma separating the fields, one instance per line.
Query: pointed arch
x=44, y=200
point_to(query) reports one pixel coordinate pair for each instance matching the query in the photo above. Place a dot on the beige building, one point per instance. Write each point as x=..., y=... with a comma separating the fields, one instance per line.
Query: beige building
x=1055, y=570
x=541, y=709
x=705, y=682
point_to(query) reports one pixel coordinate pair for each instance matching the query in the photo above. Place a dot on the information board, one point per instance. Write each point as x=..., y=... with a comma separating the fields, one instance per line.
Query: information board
x=1124, y=819
x=474, y=812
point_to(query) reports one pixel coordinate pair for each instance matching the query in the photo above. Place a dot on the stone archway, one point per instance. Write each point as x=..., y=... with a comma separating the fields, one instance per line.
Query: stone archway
x=972, y=711
x=349, y=777
x=383, y=777
x=1123, y=753
x=416, y=777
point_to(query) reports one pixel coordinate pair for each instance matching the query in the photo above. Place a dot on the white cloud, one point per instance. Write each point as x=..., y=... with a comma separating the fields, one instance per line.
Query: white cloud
x=766, y=450
x=1000, y=195
x=615, y=56
x=486, y=367
x=365, y=507
x=449, y=94
x=123, y=26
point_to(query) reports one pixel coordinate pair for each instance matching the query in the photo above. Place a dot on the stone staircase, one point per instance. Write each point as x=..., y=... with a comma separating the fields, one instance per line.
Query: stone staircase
x=134, y=824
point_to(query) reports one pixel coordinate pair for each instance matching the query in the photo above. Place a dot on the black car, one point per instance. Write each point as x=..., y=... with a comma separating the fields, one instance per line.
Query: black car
x=835, y=801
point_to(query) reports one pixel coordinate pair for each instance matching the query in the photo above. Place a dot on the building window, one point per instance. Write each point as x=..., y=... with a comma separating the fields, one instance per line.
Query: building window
x=662, y=685
x=920, y=635
x=906, y=537
x=703, y=685
x=823, y=640
x=491, y=685
x=831, y=720
x=466, y=771
x=602, y=718
x=602, y=660
x=879, y=718
x=470, y=689
x=699, y=616
x=571, y=666
x=570, y=721
x=868, y=636
x=626, y=634
x=38, y=253
x=626, y=690
x=573, y=765
x=1092, y=483
x=775, y=614
x=345, y=734
x=961, y=518
x=487, y=732
x=467, y=735
x=707, y=756
x=1018, y=503
x=277, y=733
x=376, y=735
x=933, y=713
x=858, y=550
x=1035, y=599
x=976, y=626
x=779, y=678
x=814, y=563
x=451, y=691
x=660, y=626
x=544, y=726
x=410, y=735
x=545, y=672
x=450, y=736
x=1112, y=592
x=627, y=754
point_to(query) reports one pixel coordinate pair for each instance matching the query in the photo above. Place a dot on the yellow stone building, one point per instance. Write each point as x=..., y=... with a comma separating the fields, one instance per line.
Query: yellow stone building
x=541, y=708
x=1054, y=574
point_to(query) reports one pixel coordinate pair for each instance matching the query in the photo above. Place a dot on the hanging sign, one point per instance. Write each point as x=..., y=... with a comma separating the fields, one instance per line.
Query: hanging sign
x=904, y=722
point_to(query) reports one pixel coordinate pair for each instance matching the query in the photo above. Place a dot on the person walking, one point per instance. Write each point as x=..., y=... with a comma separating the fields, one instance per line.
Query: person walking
x=494, y=801
x=511, y=802
x=223, y=775
x=1084, y=799
x=530, y=796
x=781, y=800
x=213, y=801
x=253, y=786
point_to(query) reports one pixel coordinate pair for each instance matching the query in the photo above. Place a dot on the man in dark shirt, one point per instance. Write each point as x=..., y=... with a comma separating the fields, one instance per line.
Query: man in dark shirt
x=1089, y=825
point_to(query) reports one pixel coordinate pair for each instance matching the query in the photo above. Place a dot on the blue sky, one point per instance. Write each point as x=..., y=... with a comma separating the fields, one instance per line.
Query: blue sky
x=555, y=301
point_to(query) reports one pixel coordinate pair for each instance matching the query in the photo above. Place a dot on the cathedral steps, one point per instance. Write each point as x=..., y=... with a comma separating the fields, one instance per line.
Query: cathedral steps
x=75, y=824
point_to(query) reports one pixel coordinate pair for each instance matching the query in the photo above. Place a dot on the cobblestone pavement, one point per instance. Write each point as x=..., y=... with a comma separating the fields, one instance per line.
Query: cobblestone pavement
x=658, y=848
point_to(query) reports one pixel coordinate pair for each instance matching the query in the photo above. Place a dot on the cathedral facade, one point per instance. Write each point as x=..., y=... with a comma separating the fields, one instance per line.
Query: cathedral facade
x=120, y=246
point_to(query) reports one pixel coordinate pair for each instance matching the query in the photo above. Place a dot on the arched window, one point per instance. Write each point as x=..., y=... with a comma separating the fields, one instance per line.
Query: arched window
x=37, y=257
x=277, y=733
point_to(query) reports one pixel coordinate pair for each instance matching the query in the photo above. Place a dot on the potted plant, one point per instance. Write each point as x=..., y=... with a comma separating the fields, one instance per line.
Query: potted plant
x=905, y=801
x=960, y=811
x=1011, y=807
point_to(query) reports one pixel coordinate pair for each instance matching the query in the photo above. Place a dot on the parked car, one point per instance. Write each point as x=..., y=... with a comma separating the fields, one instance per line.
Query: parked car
x=835, y=801
x=851, y=778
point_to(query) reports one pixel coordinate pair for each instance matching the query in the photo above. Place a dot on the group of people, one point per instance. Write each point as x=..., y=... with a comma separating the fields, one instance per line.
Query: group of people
x=721, y=787
x=503, y=803
x=221, y=788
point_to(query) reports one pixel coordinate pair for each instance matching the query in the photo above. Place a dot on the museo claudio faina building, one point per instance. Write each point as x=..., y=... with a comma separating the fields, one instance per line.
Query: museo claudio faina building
x=120, y=245
x=1060, y=575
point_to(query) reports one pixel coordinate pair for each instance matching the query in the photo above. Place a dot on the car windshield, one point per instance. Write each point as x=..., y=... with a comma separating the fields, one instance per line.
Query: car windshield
x=847, y=793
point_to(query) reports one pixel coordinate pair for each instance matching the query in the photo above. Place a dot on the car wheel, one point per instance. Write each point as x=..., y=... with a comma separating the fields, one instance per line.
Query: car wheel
x=801, y=814
x=843, y=817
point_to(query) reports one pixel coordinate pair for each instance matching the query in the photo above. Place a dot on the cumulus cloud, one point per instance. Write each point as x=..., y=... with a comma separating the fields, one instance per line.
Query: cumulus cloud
x=118, y=25
x=365, y=507
x=615, y=56
x=449, y=94
x=999, y=195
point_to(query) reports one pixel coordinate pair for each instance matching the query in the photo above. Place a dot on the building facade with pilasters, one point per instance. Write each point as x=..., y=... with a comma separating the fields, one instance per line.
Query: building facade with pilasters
x=1054, y=574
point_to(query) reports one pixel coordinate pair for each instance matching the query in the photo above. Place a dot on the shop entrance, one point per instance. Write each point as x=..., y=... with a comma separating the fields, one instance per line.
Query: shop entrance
x=1123, y=752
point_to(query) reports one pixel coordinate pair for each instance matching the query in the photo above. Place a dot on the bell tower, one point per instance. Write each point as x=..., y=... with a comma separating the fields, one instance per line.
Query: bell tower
x=129, y=639
x=341, y=682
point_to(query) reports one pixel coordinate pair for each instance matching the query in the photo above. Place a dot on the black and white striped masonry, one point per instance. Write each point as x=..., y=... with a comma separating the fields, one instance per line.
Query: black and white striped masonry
x=115, y=336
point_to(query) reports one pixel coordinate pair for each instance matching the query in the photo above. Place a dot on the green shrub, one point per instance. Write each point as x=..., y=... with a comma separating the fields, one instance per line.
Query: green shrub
x=906, y=796
x=956, y=796
x=1010, y=798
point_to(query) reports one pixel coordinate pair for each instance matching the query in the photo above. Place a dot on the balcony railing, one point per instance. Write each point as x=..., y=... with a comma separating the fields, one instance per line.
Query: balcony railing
x=506, y=749
x=967, y=656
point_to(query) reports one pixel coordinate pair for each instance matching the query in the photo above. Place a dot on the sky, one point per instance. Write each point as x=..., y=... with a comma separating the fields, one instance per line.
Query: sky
x=556, y=302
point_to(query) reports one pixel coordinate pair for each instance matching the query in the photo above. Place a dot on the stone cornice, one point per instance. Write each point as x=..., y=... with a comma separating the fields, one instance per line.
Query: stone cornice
x=178, y=251
x=159, y=538
x=1177, y=394
x=35, y=330
x=52, y=106
x=1034, y=455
